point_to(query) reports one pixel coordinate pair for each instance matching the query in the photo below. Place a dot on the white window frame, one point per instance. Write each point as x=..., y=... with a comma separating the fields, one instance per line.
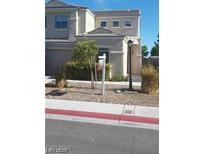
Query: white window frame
x=61, y=29
x=128, y=26
x=118, y=22
x=104, y=21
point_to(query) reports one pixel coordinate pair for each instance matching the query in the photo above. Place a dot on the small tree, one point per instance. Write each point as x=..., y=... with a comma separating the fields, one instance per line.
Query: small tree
x=145, y=51
x=85, y=54
x=155, y=49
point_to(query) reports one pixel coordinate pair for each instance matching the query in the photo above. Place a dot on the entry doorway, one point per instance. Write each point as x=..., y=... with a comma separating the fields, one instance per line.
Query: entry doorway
x=101, y=51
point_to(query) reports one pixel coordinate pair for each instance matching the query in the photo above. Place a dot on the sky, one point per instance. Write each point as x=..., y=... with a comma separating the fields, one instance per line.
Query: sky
x=149, y=14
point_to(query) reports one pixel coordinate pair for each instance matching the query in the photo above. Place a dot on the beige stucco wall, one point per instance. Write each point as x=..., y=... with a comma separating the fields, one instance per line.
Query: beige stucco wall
x=113, y=43
x=81, y=21
x=136, y=60
x=116, y=61
x=51, y=32
x=116, y=55
x=85, y=21
x=72, y=26
x=68, y=33
x=136, y=56
x=122, y=30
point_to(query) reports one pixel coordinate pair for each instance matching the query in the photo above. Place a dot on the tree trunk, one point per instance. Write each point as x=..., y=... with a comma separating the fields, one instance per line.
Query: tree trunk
x=92, y=77
x=95, y=76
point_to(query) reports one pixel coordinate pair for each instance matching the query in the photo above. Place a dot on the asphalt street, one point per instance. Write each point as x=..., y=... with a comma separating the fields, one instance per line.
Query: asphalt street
x=86, y=138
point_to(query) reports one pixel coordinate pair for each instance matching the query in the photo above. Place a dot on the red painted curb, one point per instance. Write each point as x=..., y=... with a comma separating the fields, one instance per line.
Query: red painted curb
x=139, y=119
x=103, y=116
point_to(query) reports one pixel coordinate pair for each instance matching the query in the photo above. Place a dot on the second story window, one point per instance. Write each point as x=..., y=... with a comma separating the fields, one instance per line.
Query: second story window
x=128, y=23
x=115, y=24
x=103, y=24
x=61, y=21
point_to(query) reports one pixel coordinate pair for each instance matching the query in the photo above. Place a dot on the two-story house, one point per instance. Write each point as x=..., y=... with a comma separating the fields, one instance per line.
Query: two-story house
x=66, y=24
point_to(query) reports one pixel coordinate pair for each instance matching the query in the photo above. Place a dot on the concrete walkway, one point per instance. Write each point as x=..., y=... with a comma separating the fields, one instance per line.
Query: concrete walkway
x=115, y=114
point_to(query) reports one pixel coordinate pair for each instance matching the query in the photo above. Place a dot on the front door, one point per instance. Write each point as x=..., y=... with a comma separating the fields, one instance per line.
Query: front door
x=101, y=51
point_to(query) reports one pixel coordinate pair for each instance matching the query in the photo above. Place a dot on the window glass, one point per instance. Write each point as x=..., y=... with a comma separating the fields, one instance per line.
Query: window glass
x=61, y=21
x=128, y=23
x=103, y=24
x=115, y=24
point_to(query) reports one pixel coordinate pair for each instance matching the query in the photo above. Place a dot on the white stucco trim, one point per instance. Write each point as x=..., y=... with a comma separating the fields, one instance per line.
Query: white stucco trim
x=59, y=40
x=117, y=17
x=100, y=36
x=116, y=51
x=77, y=21
x=56, y=48
x=139, y=26
x=73, y=18
x=124, y=48
x=92, y=35
x=89, y=21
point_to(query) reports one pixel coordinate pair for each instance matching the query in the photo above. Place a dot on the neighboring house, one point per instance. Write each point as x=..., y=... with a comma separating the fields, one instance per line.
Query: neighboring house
x=66, y=24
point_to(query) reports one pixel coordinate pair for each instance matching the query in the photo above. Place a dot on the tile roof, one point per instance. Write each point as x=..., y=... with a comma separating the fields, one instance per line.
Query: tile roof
x=60, y=4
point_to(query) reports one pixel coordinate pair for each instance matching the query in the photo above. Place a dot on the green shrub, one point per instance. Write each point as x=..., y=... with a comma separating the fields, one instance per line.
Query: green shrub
x=60, y=78
x=76, y=71
x=119, y=77
x=150, y=80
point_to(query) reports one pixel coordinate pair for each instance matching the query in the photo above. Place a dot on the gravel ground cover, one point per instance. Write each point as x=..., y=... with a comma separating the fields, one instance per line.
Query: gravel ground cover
x=83, y=92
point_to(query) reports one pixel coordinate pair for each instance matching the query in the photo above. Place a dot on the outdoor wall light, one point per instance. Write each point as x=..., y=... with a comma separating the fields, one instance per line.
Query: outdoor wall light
x=130, y=43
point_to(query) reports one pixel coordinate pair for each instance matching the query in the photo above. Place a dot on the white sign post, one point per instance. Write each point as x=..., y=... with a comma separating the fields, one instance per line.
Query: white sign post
x=102, y=61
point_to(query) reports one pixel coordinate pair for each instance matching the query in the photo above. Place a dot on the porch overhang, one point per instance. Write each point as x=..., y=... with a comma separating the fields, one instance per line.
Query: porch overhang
x=59, y=45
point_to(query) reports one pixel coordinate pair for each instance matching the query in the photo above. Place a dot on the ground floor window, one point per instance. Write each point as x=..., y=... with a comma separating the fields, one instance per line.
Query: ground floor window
x=101, y=51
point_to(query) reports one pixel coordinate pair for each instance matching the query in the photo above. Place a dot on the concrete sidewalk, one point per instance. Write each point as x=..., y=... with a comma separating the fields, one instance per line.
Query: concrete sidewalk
x=117, y=114
x=122, y=83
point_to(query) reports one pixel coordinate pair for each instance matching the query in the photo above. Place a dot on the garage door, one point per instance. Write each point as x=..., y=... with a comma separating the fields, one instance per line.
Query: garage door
x=56, y=58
